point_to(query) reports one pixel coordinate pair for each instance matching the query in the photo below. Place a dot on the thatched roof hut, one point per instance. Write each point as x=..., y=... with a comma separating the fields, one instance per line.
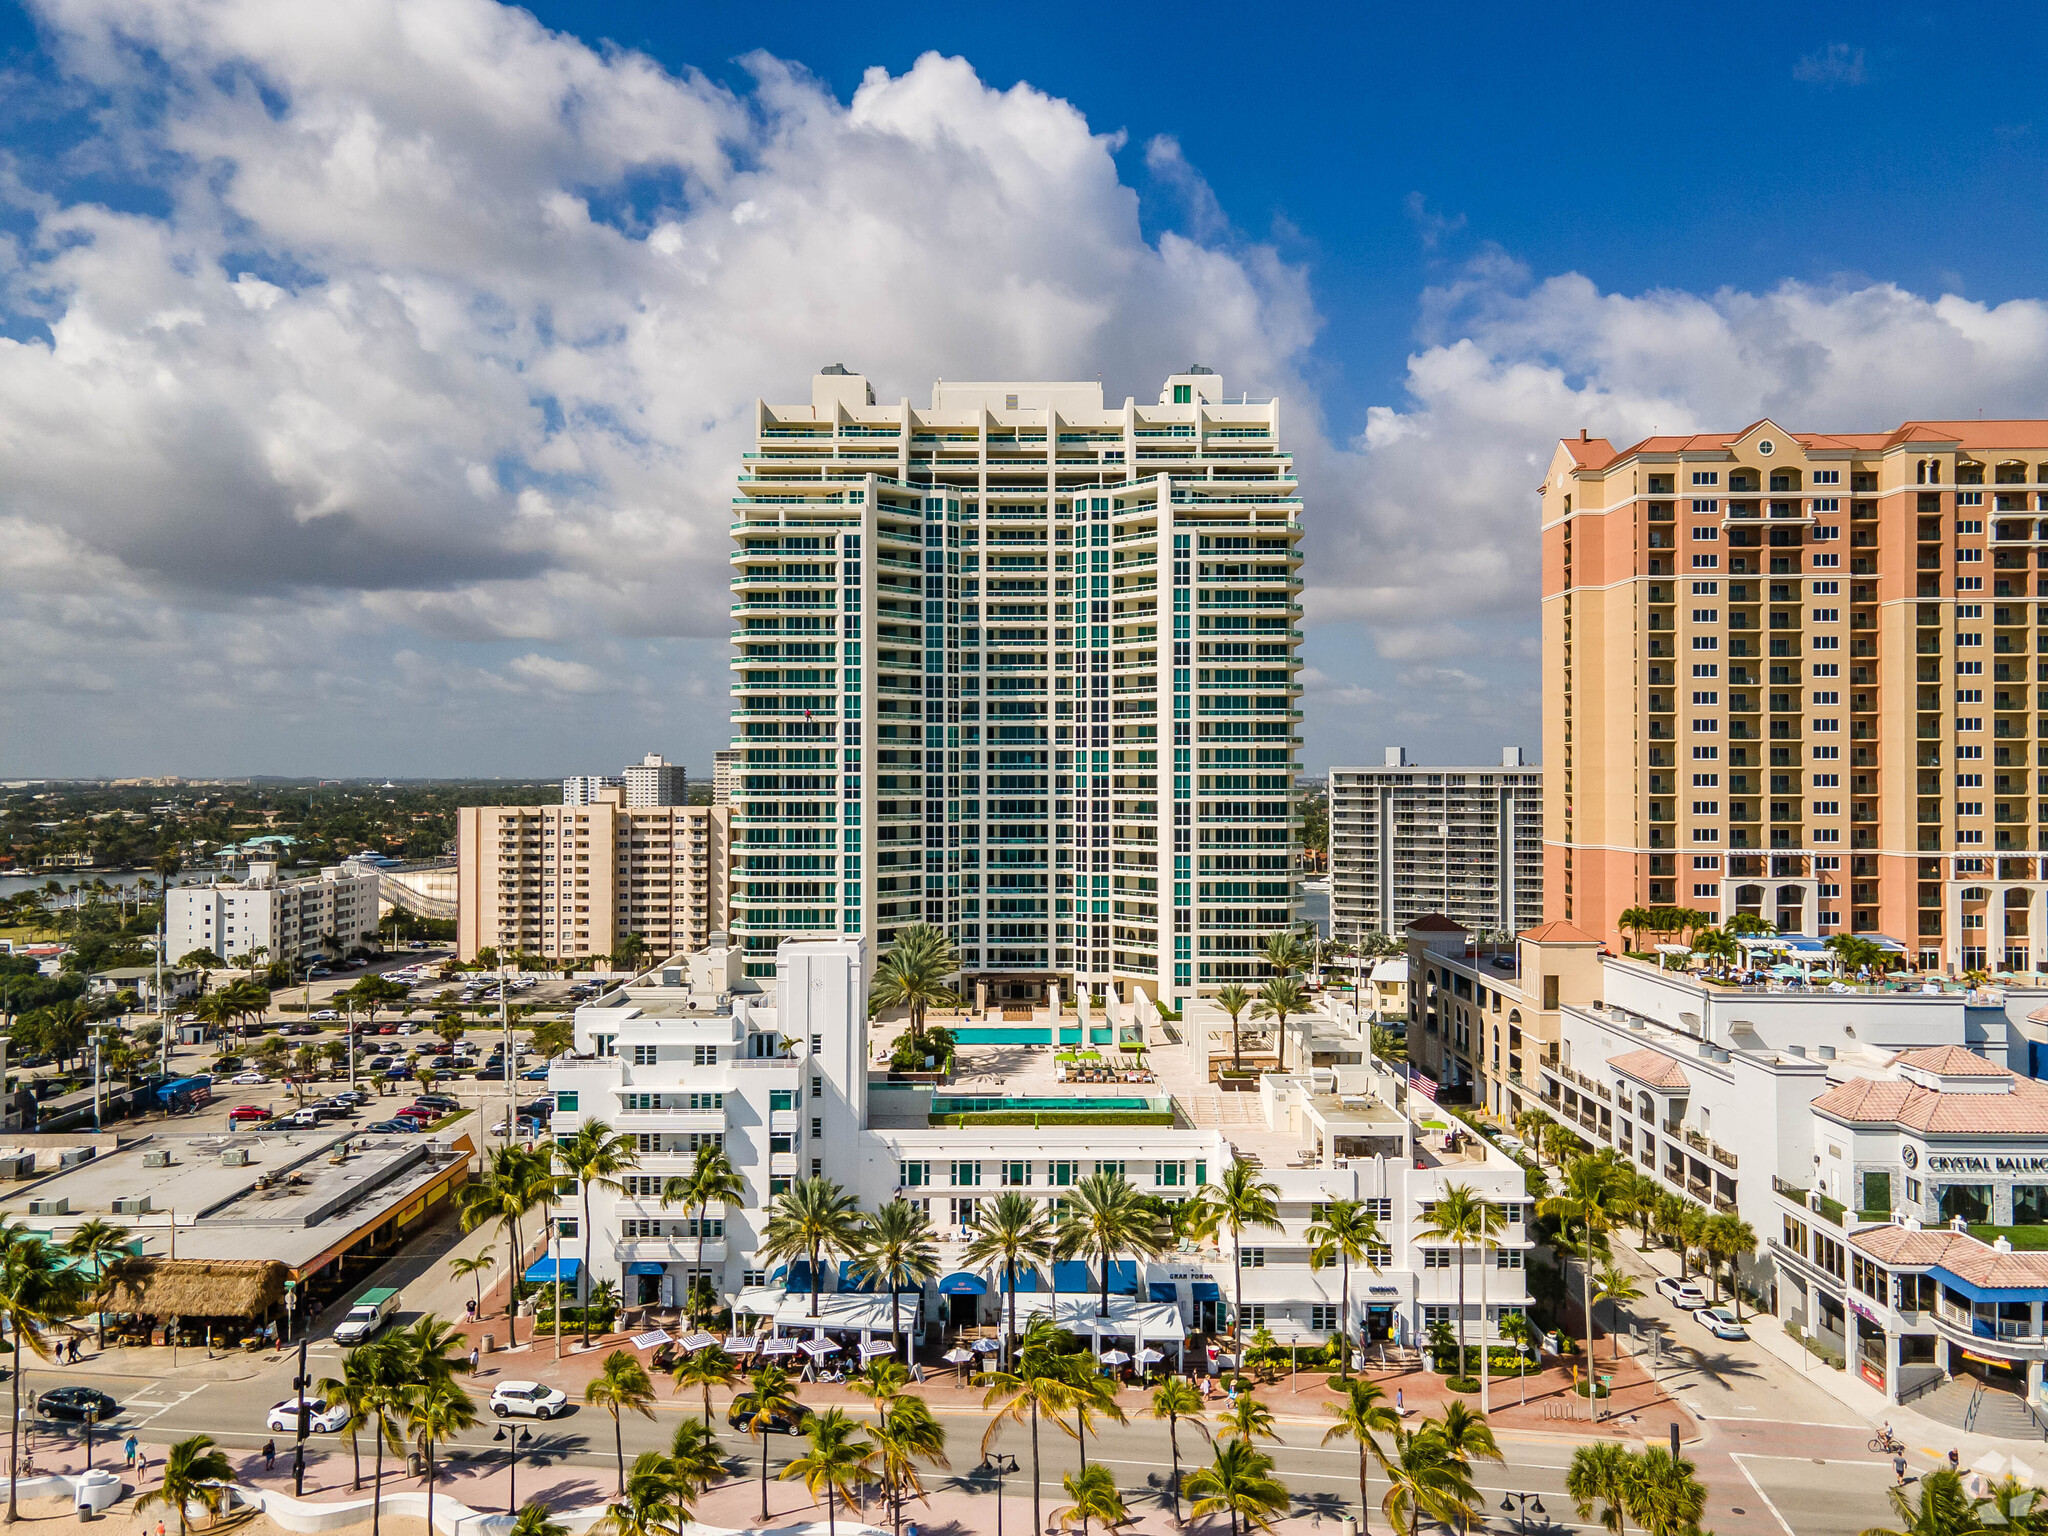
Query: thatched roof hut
x=195, y=1288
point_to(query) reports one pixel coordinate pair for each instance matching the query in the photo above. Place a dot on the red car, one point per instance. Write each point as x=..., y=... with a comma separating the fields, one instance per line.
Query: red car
x=244, y=1113
x=414, y=1112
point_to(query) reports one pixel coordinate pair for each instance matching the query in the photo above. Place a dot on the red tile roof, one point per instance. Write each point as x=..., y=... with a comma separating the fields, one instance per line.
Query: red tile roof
x=1958, y=1253
x=1977, y=437
x=1652, y=1067
x=1557, y=933
x=1949, y=1061
x=1436, y=922
x=1887, y=1101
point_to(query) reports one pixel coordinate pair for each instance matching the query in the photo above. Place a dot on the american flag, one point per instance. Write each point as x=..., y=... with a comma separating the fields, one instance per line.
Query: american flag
x=1426, y=1086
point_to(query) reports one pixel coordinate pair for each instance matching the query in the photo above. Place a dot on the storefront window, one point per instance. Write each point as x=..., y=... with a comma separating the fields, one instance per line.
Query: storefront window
x=1877, y=1192
x=2029, y=1205
x=1972, y=1202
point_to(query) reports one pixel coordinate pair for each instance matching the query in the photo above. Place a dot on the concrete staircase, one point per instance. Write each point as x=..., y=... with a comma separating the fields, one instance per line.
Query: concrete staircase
x=1965, y=1403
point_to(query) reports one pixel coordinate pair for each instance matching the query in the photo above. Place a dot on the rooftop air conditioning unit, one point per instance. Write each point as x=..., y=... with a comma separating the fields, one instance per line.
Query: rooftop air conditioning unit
x=17, y=1165
x=132, y=1205
x=71, y=1157
x=50, y=1205
x=157, y=1159
x=235, y=1157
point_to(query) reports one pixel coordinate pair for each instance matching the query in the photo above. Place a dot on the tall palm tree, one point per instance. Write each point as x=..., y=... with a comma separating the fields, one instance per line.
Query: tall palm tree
x=194, y=1473
x=1463, y=1219
x=1582, y=1202
x=1093, y=1490
x=1248, y=1418
x=696, y=1458
x=1233, y=999
x=1363, y=1415
x=1241, y=1484
x=1345, y=1234
x=1242, y=1202
x=906, y=1433
x=99, y=1246
x=705, y=1369
x=834, y=1458
x=812, y=1218
x=387, y=1397
x=1094, y=1394
x=1424, y=1478
x=1615, y=1286
x=1466, y=1434
x=1598, y=1474
x=712, y=1177
x=1729, y=1239
x=1692, y=1236
x=896, y=1248
x=513, y=1184
x=353, y=1390
x=622, y=1386
x=1037, y=1384
x=652, y=1501
x=35, y=1291
x=1106, y=1216
x=1173, y=1400
x=1516, y=1328
x=594, y=1156
x=1012, y=1231
x=1945, y=1508
x=915, y=974
x=474, y=1269
x=1664, y=1495
x=1279, y=1000
x=768, y=1403
x=439, y=1410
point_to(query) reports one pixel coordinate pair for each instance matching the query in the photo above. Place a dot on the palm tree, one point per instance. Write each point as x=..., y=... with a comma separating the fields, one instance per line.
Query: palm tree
x=1424, y=1478
x=194, y=1473
x=35, y=1291
x=1363, y=1415
x=896, y=1248
x=811, y=1218
x=1233, y=1000
x=1466, y=1435
x=906, y=1433
x=353, y=1390
x=1248, y=1418
x=1516, y=1328
x=535, y=1520
x=1107, y=1216
x=1388, y=1046
x=833, y=1462
x=514, y=1184
x=651, y=1502
x=1632, y=921
x=621, y=1386
x=1582, y=1202
x=1173, y=1400
x=1241, y=1201
x=1598, y=1474
x=594, y=1156
x=1013, y=1231
x=767, y=1404
x=474, y=1269
x=1038, y=1382
x=1945, y=1508
x=1664, y=1496
x=1461, y=1218
x=1093, y=1394
x=1093, y=1490
x=98, y=1245
x=389, y=1384
x=696, y=1456
x=1719, y=946
x=1241, y=1484
x=914, y=975
x=712, y=1177
x=705, y=1368
x=1279, y=999
x=439, y=1411
x=1346, y=1234
x=1615, y=1286
x=1728, y=1239
x=1692, y=1236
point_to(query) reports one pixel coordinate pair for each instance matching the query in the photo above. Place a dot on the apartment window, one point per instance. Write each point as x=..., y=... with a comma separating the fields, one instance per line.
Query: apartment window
x=914, y=1175
x=565, y=1101
x=782, y=1141
x=1706, y=642
x=1438, y=1258
x=1706, y=535
x=963, y=1211
x=1183, y=394
x=565, y=1226
x=1706, y=477
x=1706, y=754
x=1016, y=1174
x=1706, y=861
x=1707, y=891
x=1706, y=807
x=966, y=1175
x=753, y=1278
x=1706, y=781
x=1507, y=1258
x=1255, y=1315
x=1115, y=1169
x=1432, y=1315
x=702, y=1055
x=644, y=1055
x=1251, y=1258
x=1706, y=669
x=1322, y=1318
x=1706, y=589
x=1706, y=615
x=1379, y=1210
x=1706, y=562
x=781, y=1098
x=1170, y=1174
x=1062, y=1174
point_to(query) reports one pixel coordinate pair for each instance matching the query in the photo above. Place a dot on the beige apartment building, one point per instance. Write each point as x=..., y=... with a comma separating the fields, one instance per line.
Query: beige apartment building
x=568, y=880
x=1792, y=673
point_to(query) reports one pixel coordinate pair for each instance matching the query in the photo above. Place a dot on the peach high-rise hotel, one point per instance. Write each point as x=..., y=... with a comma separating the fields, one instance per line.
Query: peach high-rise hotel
x=1794, y=674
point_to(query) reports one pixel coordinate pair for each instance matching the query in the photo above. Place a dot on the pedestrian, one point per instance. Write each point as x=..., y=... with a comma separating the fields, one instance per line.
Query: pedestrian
x=1955, y=1460
x=269, y=1454
x=159, y=1528
x=1899, y=1470
x=475, y=1355
x=1400, y=1407
x=130, y=1448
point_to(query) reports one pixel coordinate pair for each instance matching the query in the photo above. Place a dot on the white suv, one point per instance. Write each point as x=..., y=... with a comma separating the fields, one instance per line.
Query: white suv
x=527, y=1397
x=1682, y=1294
x=320, y=1419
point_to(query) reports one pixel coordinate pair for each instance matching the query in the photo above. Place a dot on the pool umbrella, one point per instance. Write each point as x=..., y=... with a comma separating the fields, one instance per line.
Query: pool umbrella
x=1149, y=1356
x=957, y=1356
x=1115, y=1357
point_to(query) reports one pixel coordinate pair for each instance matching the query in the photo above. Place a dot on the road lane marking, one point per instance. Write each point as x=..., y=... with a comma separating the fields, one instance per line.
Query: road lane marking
x=1736, y=1457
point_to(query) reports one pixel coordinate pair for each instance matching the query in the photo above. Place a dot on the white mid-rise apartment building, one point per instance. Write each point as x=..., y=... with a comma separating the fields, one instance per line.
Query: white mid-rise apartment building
x=1409, y=842
x=653, y=781
x=777, y=1072
x=328, y=914
x=588, y=788
x=1021, y=665
x=725, y=768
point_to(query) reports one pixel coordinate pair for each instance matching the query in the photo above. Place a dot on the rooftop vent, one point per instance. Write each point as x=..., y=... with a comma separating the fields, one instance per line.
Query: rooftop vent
x=1194, y=368
x=837, y=370
x=158, y=1159
x=235, y=1157
x=131, y=1205
x=71, y=1157
x=50, y=1205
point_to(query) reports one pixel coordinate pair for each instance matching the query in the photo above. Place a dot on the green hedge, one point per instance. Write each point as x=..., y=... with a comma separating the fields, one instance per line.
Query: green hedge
x=1039, y=1117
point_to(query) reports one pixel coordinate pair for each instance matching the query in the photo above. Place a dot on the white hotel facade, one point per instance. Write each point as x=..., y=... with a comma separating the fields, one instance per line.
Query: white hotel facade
x=328, y=914
x=1022, y=666
x=779, y=1076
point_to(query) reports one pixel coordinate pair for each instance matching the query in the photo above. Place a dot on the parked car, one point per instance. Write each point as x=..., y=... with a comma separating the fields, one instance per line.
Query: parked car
x=395, y=1125
x=243, y=1114
x=371, y=1311
x=77, y=1403
x=382, y=1063
x=534, y=1075
x=248, y=1079
x=490, y=1074
x=324, y=1014
x=302, y=1120
x=353, y=1097
x=1682, y=1294
x=1720, y=1322
x=781, y=1424
x=318, y=972
x=530, y=1399
x=321, y=1419
x=445, y=1102
x=415, y=1114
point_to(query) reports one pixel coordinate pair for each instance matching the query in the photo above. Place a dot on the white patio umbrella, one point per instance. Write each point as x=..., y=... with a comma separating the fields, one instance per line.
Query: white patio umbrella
x=700, y=1341
x=1115, y=1357
x=957, y=1356
x=819, y=1349
x=1149, y=1356
x=876, y=1347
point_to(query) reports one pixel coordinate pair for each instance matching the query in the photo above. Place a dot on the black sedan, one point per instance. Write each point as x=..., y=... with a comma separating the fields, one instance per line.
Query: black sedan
x=77, y=1403
x=783, y=1423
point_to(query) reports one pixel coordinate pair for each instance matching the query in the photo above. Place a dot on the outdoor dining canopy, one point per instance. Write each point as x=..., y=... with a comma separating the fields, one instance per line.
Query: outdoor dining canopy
x=1127, y=1319
x=855, y=1312
x=1028, y=1279
x=541, y=1271
x=1071, y=1277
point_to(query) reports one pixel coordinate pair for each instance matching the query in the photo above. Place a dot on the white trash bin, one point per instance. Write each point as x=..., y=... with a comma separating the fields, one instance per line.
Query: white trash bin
x=97, y=1490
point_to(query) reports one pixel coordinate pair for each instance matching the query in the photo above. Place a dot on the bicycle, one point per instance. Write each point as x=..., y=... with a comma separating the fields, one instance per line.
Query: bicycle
x=1891, y=1444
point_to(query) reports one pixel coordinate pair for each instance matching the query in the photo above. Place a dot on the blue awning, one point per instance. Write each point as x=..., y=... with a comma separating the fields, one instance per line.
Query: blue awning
x=646, y=1267
x=1070, y=1277
x=1161, y=1290
x=1028, y=1279
x=543, y=1270
x=1206, y=1290
x=799, y=1277
x=963, y=1284
x=849, y=1281
x=1123, y=1277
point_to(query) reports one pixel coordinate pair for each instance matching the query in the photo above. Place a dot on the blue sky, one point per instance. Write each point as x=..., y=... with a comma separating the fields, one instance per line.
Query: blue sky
x=371, y=377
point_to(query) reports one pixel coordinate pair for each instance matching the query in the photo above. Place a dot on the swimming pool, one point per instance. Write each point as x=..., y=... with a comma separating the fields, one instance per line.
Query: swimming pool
x=963, y=1105
x=1028, y=1034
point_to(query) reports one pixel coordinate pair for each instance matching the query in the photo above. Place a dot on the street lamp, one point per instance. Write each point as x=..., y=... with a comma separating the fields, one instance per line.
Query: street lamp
x=92, y=1412
x=291, y=1306
x=1529, y=1504
x=302, y=1385
x=999, y=1464
x=519, y=1441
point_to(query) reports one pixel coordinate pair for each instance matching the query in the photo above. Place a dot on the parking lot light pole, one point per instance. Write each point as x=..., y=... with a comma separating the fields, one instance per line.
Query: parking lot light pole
x=520, y=1439
x=302, y=1384
x=1521, y=1506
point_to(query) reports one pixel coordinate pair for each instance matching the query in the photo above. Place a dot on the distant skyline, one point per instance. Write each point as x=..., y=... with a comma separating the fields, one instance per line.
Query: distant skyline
x=373, y=378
